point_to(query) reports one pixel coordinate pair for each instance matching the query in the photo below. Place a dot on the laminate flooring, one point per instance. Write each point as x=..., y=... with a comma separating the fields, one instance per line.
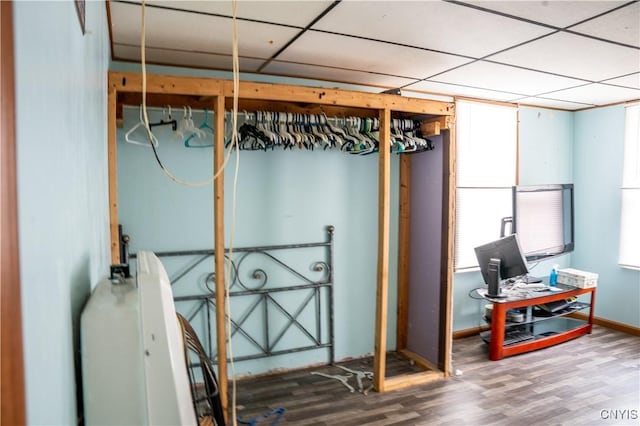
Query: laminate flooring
x=591, y=380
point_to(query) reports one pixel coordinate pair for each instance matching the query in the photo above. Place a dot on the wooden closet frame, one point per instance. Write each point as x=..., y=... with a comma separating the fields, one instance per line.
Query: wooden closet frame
x=213, y=94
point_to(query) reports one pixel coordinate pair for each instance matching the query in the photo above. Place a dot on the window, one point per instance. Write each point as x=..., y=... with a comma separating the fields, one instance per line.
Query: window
x=487, y=139
x=629, y=223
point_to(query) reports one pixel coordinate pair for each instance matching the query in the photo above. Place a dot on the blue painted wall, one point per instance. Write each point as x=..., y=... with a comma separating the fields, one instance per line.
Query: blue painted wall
x=584, y=148
x=62, y=191
x=284, y=197
x=598, y=160
x=545, y=156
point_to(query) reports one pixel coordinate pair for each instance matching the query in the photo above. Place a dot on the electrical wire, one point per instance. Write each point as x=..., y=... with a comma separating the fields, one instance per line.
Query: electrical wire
x=152, y=138
x=234, y=140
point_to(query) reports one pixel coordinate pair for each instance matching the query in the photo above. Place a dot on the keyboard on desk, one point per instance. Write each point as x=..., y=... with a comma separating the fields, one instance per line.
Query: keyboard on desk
x=516, y=336
x=534, y=286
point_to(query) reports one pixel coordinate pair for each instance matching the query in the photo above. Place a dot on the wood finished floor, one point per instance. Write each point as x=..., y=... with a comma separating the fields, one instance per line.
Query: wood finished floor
x=568, y=384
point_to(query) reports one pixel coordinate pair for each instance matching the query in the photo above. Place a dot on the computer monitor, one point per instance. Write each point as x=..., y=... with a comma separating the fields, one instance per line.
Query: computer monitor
x=543, y=220
x=500, y=260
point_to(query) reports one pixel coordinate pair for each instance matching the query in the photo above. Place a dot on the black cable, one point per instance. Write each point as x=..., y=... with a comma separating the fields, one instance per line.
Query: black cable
x=475, y=290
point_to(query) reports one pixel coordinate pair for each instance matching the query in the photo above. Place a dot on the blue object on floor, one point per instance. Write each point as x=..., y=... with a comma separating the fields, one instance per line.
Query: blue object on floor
x=278, y=412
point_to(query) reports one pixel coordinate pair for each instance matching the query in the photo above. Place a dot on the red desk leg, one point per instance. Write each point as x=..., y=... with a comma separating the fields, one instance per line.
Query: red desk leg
x=498, y=319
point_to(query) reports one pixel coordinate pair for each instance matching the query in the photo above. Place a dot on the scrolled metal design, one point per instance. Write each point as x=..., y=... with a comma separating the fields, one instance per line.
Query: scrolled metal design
x=251, y=275
x=321, y=266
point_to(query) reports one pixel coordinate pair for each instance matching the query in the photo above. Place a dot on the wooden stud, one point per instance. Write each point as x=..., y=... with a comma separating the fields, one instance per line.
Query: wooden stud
x=113, y=176
x=384, y=185
x=12, y=394
x=430, y=128
x=219, y=259
x=404, y=250
x=119, y=115
x=447, y=246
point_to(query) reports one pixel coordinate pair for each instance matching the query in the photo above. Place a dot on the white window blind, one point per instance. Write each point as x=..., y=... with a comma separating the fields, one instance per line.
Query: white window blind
x=486, y=157
x=629, y=222
x=544, y=208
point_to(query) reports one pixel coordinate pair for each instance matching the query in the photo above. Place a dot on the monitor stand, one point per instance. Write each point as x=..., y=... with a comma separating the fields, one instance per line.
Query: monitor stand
x=494, y=278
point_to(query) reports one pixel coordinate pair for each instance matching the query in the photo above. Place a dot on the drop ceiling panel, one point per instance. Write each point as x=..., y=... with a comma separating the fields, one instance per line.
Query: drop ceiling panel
x=632, y=81
x=434, y=25
x=187, y=59
x=487, y=75
x=297, y=13
x=193, y=32
x=622, y=26
x=556, y=13
x=318, y=48
x=574, y=55
x=599, y=94
x=553, y=103
x=471, y=92
x=335, y=74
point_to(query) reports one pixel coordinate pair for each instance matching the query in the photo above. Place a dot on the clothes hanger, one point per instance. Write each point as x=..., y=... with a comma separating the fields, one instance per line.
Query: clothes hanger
x=203, y=128
x=141, y=123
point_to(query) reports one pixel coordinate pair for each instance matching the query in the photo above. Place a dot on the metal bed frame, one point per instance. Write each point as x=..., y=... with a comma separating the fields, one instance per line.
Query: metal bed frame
x=312, y=289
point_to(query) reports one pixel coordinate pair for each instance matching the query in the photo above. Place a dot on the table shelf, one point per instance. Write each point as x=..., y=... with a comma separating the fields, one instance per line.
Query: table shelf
x=536, y=331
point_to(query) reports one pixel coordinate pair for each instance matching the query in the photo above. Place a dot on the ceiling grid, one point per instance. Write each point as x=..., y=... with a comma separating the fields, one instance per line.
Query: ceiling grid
x=560, y=54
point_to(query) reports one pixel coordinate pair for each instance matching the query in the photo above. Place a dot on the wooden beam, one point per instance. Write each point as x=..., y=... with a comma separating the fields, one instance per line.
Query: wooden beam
x=384, y=186
x=430, y=128
x=404, y=251
x=406, y=380
x=124, y=82
x=219, y=259
x=132, y=82
x=12, y=386
x=112, y=153
x=420, y=361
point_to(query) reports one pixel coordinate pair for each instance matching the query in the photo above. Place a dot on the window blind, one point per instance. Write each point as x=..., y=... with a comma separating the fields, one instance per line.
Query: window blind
x=486, y=160
x=629, y=223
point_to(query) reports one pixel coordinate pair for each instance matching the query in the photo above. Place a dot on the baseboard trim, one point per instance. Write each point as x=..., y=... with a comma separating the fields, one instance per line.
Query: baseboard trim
x=614, y=325
x=468, y=332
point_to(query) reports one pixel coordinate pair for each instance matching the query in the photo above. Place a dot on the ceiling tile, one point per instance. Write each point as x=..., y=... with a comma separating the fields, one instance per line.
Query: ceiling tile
x=553, y=103
x=297, y=13
x=456, y=90
x=622, y=26
x=556, y=13
x=490, y=76
x=632, y=81
x=574, y=56
x=434, y=25
x=193, y=32
x=599, y=94
x=185, y=59
x=335, y=74
x=319, y=48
